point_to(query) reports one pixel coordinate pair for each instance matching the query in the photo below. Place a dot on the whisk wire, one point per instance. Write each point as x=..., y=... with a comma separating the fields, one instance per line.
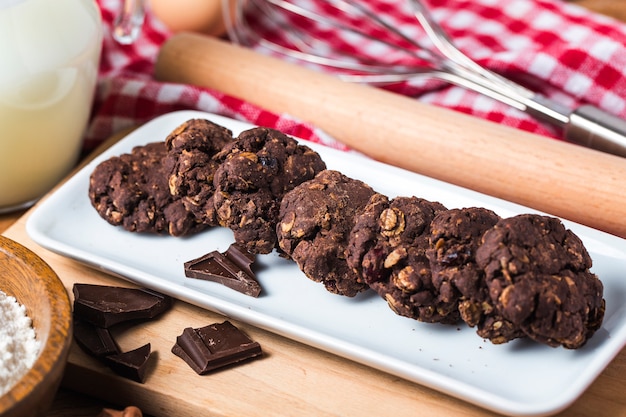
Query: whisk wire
x=446, y=62
x=302, y=47
x=356, y=9
x=443, y=61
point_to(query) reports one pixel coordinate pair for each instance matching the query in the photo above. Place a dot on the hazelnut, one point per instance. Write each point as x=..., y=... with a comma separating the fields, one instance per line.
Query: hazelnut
x=404, y=280
x=172, y=185
x=247, y=155
x=392, y=222
x=394, y=257
x=287, y=223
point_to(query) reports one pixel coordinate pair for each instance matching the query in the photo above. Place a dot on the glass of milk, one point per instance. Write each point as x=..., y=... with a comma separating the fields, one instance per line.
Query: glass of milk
x=49, y=57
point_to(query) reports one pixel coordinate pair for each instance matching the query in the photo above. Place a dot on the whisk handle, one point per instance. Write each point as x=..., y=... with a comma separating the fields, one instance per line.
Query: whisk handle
x=594, y=128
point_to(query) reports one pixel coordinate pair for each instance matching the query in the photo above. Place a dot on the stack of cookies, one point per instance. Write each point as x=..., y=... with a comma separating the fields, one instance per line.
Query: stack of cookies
x=523, y=276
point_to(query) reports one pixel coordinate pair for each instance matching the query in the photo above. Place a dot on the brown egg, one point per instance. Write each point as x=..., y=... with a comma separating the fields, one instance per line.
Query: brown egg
x=203, y=16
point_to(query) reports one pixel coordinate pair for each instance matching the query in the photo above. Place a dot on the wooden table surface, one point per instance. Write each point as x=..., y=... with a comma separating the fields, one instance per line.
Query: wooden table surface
x=606, y=396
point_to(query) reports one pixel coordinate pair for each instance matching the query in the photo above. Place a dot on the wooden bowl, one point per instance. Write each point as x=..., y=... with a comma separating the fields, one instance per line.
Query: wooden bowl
x=35, y=285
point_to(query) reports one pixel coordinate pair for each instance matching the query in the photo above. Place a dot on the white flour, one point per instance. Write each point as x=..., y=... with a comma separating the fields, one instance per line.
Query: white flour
x=18, y=347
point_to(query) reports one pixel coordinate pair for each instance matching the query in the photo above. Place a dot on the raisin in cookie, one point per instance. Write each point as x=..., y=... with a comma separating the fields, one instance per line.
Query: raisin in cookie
x=190, y=165
x=538, y=276
x=256, y=170
x=131, y=191
x=314, y=226
x=387, y=249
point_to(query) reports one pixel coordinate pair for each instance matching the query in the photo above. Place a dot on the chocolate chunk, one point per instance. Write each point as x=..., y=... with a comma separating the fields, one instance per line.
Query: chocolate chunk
x=230, y=268
x=131, y=364
x=98, y=342
x=214, y=346
x=104, y=306
x=94, y=340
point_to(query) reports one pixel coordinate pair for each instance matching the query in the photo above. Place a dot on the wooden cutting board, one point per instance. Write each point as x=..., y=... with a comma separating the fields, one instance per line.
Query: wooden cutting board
x=291, y=379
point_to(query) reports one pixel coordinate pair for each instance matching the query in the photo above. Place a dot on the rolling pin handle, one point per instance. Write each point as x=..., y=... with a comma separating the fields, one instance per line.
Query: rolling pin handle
x=594, y=128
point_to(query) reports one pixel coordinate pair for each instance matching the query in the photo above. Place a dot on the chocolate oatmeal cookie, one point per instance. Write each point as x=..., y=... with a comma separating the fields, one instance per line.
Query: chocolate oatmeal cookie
x=131, y=191
x=538, y=277
x=190, y=165
x=454, y=238
x=387, y=250
x=314, y=226
x=256, y=170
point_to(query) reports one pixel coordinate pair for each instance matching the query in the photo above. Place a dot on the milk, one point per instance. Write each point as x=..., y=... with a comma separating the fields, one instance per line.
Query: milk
x=49, y=54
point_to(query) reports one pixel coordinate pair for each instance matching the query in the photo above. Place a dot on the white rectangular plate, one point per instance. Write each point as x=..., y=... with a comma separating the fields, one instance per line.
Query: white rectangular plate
x=518, y=378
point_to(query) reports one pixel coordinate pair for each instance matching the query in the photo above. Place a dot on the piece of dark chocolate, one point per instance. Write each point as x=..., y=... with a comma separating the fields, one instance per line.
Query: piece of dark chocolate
x=230, y=268
x=95, y=341
x=105, y=306
x=131, y=364
x=98, y=342
x=214, y=346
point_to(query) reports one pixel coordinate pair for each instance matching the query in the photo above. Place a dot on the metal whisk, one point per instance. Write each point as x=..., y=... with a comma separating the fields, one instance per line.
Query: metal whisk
x=437, y=57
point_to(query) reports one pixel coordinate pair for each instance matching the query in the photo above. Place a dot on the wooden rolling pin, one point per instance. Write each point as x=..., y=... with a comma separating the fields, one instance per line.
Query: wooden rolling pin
x=552, y=176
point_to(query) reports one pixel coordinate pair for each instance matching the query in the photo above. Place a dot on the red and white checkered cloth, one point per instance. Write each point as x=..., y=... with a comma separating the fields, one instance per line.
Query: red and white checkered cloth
x=557, y=49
